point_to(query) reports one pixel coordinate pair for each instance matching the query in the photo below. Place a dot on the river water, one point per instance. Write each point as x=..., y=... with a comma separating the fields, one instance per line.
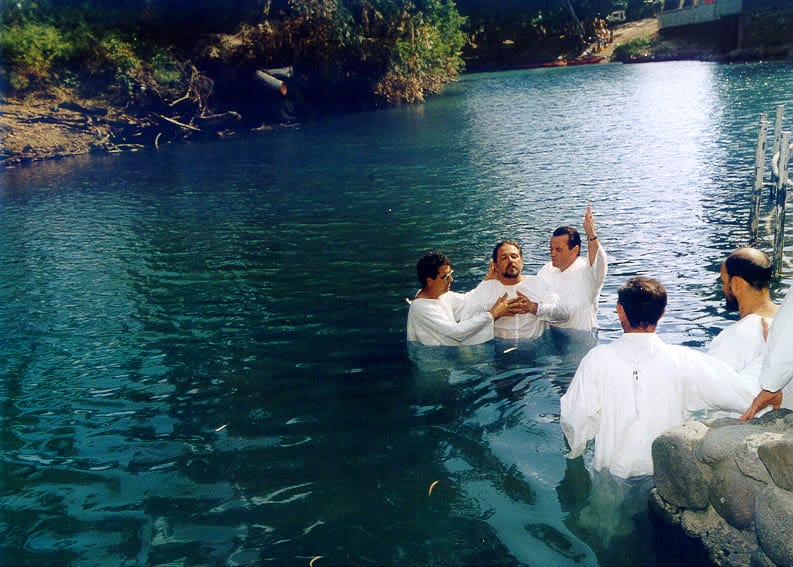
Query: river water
x=202, y=347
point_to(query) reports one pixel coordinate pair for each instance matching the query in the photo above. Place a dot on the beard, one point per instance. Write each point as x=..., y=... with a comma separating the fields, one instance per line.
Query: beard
x=731, y=303
x=510, y=272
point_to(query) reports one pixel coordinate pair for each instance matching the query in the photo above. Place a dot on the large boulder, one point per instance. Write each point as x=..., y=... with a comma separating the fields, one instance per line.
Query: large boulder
x=730, y=485
x=774, y=522
x=681, y=480
x=777, y=457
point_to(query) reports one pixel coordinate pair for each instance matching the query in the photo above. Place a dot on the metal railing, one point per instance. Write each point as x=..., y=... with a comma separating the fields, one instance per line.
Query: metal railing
x=778, y=184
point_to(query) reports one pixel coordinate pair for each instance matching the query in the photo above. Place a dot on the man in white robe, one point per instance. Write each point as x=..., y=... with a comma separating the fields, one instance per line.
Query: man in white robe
x=746, y=279
x=575, y=280
x=776, y=377
x=436, y=317
x=626, y=393
x=543, y=305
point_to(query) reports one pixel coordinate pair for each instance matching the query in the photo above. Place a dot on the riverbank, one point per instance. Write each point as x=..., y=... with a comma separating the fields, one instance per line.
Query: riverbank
x=61, y=124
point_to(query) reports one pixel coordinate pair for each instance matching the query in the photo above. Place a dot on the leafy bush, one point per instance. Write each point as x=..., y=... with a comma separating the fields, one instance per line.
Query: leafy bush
x=165, y=69
x=28, y=52
x=634, y=48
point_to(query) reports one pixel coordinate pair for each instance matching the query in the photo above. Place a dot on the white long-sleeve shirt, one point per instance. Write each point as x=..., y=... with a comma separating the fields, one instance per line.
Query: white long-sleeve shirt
x=741, y=346
x=579, y=289
x=777, y=371
x=525, y=325
x=437, y=322
x=626, y=393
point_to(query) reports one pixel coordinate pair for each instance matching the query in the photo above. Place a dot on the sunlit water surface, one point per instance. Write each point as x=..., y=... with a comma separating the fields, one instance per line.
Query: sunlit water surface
x=202, y=347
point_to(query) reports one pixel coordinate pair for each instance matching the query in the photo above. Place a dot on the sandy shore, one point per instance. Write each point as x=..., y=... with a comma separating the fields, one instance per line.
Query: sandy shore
x=629, y=31
x=36, y=129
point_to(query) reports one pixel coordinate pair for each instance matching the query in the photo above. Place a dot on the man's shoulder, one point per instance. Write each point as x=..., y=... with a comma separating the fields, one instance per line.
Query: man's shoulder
x=600, y=352
x=534, y=282
x=750, y=326
x=484, y=290
x=486, y=285
x=546, y=269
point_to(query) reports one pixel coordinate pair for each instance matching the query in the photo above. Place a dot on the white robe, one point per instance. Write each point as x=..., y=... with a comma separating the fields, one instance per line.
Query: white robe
x=626, y=393
x=437, y=322
x=579, y=288
x=777, y=372
x=741, y=346
x=525, y=325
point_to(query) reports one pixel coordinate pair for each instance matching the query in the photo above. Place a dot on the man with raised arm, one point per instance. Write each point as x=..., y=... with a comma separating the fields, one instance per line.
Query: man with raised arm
x=746, y=281
x=577, y=281
x=626, y=393
x=543, y=306
x=435, y=317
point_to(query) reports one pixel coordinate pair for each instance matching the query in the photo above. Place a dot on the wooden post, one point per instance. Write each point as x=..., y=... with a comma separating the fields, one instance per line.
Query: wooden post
x=779, y=207
x=780, y=111
x=759, y=173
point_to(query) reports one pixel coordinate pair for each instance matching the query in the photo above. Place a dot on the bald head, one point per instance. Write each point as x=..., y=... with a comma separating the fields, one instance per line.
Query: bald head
x=752, y=265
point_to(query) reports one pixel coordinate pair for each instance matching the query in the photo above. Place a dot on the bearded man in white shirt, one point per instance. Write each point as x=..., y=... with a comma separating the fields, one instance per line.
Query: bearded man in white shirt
x=577, y=281
x=626, y=393
x=543, y=306
x=436, y=316
x=746, y=280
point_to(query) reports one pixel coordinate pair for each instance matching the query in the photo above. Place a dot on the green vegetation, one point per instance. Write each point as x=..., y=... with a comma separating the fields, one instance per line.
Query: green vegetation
x=147, y=52
x=127, y=49
x=634, y=48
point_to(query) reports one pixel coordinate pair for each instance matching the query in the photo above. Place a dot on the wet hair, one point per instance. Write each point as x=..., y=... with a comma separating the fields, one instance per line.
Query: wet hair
x=573, y=237
x=643, y=299
x=429, y=265
x=752, y=265
x=504, y=243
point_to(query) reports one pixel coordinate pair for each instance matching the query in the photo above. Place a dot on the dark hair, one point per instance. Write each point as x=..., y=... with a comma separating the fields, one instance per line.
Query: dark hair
x=504, y=243
x=643, y=299
x=573, y=238
x=428, y=266
x=752, y=265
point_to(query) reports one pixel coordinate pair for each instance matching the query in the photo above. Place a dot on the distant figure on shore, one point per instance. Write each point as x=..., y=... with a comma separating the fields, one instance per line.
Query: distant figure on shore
x=626, y=393
x=746, y=281
x=543, y=306
x=776, y=377
x=577, y=281
x=435, y=317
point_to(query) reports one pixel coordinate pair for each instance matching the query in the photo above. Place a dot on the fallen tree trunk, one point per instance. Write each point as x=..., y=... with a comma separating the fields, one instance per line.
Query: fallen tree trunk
x=222, y=121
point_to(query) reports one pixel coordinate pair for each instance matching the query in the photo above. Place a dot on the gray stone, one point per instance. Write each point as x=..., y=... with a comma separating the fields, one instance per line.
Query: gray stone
x=774, y=521
x=717, y=422
x=721, y=442
x=777, y=456
x=749, y=519
x=732, y=494
x=726, y=545
x=760, y=559
x=670, y=514
x=747, y=459
x=681, y=480
x=774, y=417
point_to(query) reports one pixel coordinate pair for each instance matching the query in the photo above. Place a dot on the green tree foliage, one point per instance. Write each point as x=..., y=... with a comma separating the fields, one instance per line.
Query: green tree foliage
x=634, y=48
x=393, y=49
x=32, y=50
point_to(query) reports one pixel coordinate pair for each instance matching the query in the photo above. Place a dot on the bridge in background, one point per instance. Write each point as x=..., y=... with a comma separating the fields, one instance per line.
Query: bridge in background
x=701, y=12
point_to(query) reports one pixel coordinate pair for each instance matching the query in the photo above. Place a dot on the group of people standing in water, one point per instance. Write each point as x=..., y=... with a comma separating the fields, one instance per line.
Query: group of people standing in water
x=626, y=393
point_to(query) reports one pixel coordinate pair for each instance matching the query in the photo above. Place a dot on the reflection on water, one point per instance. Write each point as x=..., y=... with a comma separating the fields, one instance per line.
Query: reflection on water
x=203, y=358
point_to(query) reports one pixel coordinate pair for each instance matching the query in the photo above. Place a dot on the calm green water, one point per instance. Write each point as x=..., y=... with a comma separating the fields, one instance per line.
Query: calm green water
x=202, y=348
